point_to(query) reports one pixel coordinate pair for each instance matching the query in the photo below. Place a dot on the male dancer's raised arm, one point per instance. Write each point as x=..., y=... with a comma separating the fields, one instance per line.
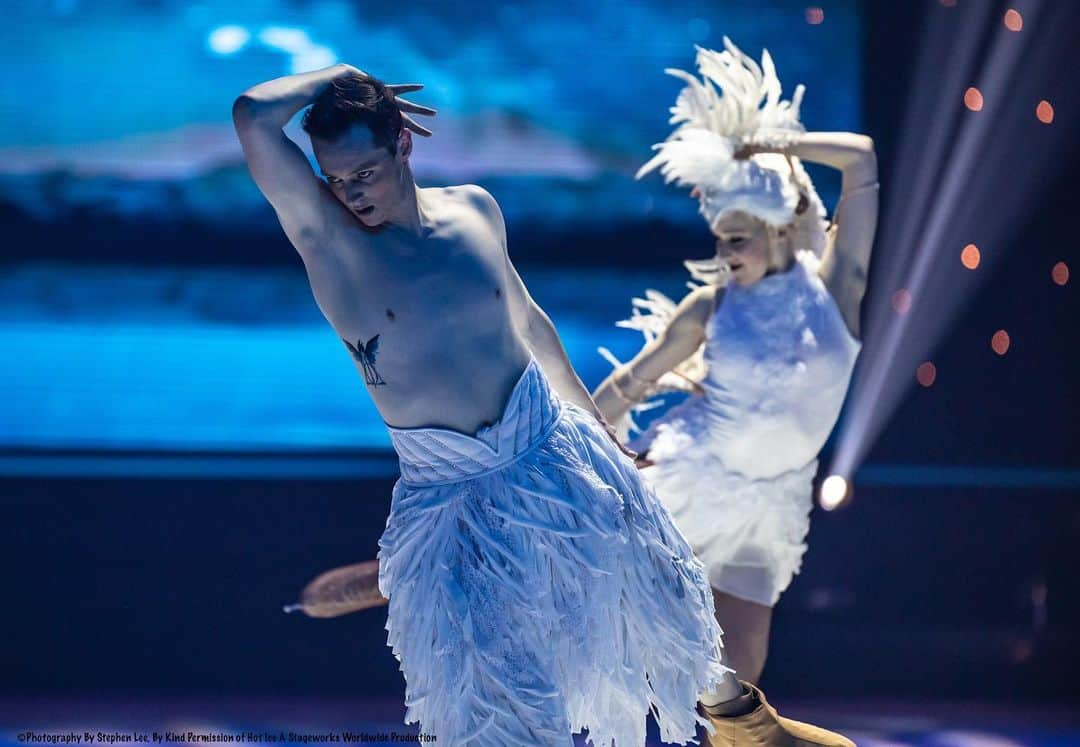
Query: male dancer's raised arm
x=278, y=166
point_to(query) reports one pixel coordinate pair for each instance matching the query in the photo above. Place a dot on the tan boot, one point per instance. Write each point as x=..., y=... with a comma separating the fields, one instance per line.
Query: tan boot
x=764, y=726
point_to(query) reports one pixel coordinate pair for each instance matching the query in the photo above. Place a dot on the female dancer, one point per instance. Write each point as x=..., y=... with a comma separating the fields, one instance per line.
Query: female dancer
x=766, y=343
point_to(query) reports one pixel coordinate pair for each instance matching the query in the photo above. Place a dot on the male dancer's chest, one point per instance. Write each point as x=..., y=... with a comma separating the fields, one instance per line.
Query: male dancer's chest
x=412, y=321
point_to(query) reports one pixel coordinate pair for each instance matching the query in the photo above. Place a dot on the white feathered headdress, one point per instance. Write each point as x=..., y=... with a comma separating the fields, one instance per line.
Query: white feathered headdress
x=737, y=103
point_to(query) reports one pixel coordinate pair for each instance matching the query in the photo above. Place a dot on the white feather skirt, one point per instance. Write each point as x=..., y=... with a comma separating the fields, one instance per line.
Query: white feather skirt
x=537, y=588
x=749, y=532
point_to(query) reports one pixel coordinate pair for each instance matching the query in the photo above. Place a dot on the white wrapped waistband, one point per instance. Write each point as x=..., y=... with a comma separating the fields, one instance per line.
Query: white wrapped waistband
x=430, y=456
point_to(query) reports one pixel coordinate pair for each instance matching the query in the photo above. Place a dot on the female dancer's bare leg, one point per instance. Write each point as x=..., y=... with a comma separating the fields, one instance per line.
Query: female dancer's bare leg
x=746, y=634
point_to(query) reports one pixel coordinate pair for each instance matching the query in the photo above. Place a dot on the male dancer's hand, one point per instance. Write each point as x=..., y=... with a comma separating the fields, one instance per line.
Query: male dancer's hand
x=610, y=430
x=405, y=107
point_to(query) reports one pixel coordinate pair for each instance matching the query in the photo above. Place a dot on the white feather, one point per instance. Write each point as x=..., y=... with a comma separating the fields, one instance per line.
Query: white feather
x=737, y=102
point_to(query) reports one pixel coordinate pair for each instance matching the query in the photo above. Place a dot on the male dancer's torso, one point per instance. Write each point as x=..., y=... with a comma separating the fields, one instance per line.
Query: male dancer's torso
x=427, y=319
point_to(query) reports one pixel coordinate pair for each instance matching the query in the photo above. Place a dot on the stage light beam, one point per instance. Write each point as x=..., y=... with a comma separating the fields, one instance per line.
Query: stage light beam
x=940, y=193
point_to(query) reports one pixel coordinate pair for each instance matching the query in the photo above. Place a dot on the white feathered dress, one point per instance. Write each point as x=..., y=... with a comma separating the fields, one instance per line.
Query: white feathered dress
x=735, y=465
x=538, y=588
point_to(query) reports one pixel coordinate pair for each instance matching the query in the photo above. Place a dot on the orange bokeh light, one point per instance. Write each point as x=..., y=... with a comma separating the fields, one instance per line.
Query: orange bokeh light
x=970, y=256
x=1000, y=342
x=926, y=373
x=1022, y=652
x=1013, y=20
x=973, y=99
x=901, y=301
x=948, y=3
x=1044, y=112
x=1060, y=273
x=815, y=15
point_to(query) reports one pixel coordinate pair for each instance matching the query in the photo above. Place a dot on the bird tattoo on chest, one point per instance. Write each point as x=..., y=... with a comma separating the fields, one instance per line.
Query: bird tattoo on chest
x=364, y=354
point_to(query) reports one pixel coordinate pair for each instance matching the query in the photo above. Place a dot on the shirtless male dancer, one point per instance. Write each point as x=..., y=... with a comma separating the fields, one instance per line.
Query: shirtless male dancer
x=536, y=586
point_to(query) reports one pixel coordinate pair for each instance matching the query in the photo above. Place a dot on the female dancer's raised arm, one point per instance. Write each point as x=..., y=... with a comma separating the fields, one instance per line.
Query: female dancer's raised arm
x=846, y=259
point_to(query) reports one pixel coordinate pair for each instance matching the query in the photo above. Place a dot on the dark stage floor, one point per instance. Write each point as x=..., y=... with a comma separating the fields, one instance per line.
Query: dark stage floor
x=939, y=612
x=870, y=723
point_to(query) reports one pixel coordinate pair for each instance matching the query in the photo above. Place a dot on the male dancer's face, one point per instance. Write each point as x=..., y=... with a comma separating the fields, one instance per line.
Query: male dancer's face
x=368, y=180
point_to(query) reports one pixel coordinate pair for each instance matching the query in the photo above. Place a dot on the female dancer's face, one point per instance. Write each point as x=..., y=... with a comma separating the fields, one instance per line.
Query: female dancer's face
x=742, y=242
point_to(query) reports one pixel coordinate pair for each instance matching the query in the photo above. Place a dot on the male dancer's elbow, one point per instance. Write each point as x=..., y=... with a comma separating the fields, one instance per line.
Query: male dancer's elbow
x=243, y=113
x=246, y=111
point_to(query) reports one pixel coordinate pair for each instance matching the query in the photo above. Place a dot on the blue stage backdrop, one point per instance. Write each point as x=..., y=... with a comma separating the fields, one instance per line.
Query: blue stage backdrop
x=124, y=106
x=148, y=299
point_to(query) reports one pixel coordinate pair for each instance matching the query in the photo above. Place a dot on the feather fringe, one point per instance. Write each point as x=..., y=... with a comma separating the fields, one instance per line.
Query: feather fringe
x=551, y=596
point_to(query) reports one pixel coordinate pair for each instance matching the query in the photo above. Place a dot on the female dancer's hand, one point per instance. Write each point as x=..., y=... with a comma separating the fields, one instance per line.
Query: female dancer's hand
x=749, y=149
x=743, y=152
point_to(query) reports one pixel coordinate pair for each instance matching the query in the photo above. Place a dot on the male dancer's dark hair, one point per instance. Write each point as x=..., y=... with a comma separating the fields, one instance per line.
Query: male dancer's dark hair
x=355, y=99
